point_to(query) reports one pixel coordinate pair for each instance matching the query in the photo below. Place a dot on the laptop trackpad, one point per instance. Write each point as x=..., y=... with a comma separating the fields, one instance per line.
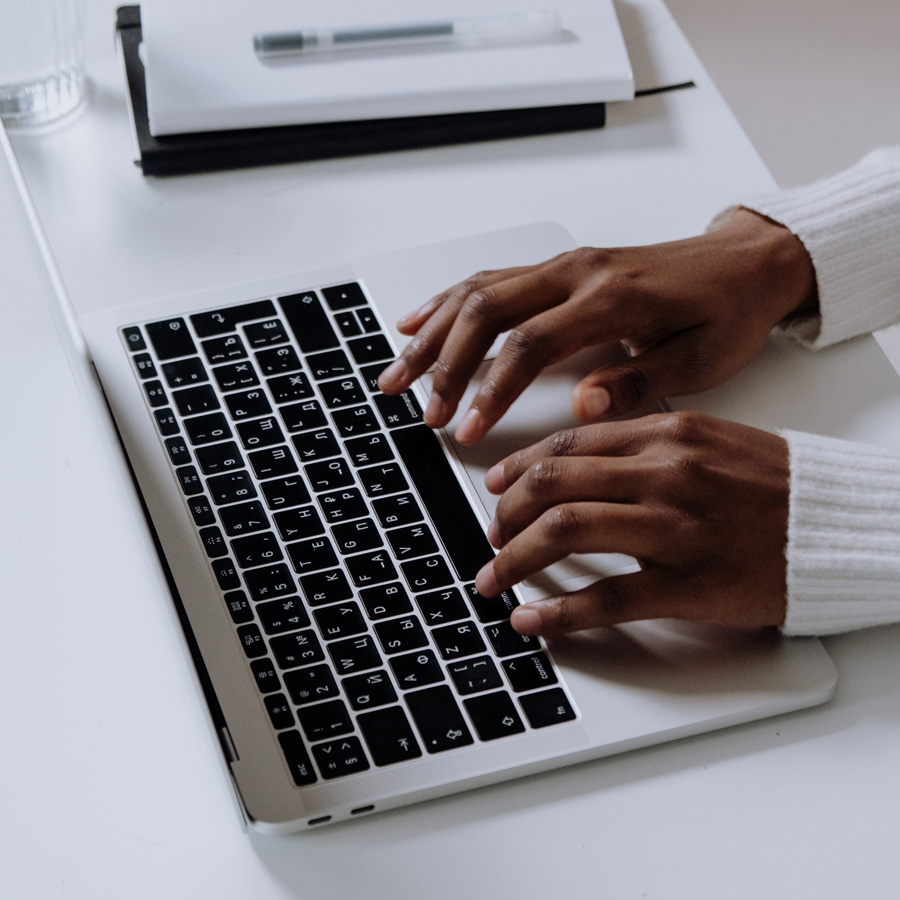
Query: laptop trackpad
x=544, y=407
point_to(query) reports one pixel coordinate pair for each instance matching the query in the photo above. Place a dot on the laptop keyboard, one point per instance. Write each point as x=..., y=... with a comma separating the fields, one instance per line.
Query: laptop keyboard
x=341, y=540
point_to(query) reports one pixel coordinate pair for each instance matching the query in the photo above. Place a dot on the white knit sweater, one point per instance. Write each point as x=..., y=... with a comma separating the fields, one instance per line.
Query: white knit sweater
x=843, y=549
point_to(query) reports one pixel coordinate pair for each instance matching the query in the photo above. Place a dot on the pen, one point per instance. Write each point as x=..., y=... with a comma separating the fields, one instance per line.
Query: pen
x=510, y=27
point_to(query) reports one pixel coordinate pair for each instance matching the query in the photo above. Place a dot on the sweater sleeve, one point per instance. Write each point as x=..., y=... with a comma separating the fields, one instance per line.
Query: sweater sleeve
x=843, y=554
x=850, y=225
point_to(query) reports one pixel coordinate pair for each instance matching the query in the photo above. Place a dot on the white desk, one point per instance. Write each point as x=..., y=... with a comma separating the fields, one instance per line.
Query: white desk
x=111, y=783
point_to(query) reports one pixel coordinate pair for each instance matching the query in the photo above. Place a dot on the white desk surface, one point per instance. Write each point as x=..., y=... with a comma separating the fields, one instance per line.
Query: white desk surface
x=111, y=781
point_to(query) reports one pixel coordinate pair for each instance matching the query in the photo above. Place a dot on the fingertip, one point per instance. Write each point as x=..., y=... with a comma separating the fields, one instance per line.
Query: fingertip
x=472, y=428
x=495, y=479
x=395, y=377
x=526, y=620
x=590, y=403
x=486, y=581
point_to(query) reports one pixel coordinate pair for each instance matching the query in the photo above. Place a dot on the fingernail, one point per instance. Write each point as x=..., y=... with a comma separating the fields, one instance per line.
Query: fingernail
x=526, y=620
x=397, y=371
x=595, y=403
x=471, y=428
x=495, y=479
x=436, y=412
x=485, y=581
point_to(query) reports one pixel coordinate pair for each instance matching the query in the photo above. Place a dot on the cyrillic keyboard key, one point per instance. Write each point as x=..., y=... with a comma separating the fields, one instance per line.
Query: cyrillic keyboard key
x=244, y=518
x=207, y=429
x=439, y=719
x=301, y=648
x=195, y=400
x=309, y=322
x=340, y=620
x=281, y=616
x=264, y=334
x=308, y=556
x=455, y=521
x=235, y=376
x=223, y=349
x=273, y=462
x=414, y=670
x=461, y=639
x=426, y=574
x=310, y=684
x=321, y=444
x=473, y=675
x=270, y=581
x=370, y=449
x=401, y=635
x=354, y=654
x=440, y=607
x=367, y=569
x=385, y=600
x=278, y=361
x=331, y=586
x=369, y=690
x=296, y=524
x=331, y=364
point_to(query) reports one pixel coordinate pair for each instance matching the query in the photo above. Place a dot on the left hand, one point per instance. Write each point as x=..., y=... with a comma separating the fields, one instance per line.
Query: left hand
x=701, y=503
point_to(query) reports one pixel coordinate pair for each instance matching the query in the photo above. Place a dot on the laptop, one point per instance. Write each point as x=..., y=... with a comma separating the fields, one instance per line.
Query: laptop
x=321, y=542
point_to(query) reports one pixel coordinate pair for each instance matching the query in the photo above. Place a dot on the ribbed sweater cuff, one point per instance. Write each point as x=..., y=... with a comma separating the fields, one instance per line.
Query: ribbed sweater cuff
x=843, y=553
x=850, y=225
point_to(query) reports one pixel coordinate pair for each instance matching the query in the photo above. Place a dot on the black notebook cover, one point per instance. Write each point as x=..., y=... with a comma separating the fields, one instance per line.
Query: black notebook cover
x=180, y=154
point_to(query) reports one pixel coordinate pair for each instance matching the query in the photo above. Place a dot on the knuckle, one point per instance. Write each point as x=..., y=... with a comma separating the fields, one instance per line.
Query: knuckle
x=523, y=344
x=480, y=307
x=630, y=387
x=613, y=600
x=560, y=524
x=562, y=443
x=543, y=476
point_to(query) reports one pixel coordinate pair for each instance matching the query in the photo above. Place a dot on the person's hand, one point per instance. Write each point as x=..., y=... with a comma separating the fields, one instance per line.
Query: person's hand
x=692, y=313
x=701, y=503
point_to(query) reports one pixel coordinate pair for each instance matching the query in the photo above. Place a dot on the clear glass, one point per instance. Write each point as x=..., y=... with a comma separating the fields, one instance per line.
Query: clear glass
x=41, y=60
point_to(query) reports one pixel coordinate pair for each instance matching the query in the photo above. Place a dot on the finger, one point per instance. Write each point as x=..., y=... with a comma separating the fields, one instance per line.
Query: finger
x=553, y=481
x=649, y=594
x=566, y=529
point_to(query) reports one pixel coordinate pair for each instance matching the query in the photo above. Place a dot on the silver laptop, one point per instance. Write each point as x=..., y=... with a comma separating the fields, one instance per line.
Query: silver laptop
x=321, y=544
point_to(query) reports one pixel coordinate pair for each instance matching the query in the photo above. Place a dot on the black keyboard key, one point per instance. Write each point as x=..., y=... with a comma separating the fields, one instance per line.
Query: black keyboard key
x=473, y=675
x=216, y=458
x=356, y=421
x=331, y=364
x=310, y=684
x=311, y=445
x=414, y=670
x=268, y=582
x=389, y=736
x=440, y=607
x=171, y=339
x=226, y=574
x=286, y=388
x=195, y=400
x=355, y=654
x=400, y=510
x=527, y=673
x=224, y=349
x=369, y=349
x=303, y=416
x=244, y=518
x=190, y=481
x=301, y=522
x=491, y=609
x=252, y=641
x=282, y=493
x=340, y=620
x=297, y=758
x=385, y=601
x=371, y=568
x=494, y=716
x=412, y=541
x=388, y=478
x=507, y=642
x=301, y=648
x=354, y=537
x=331, y=586
x=231, y=487
x=177, y=449
x=134, y=340
x=368, y=320
x=344, y=296
x=248, y=405
x=272, y=462
x=348, y=324
x=239, y=607
x=308, y=556
x=461, y=639
x=213, y=542
x=368, y=450
x=369, y=690
x=280, y=713
x=156, y=393
x=399, y=409
x=207, y=429
x=278, y=361
x=426, y=574
x=234, y=376
x=370, y=375
x=325, y=720
x=266, y=676
x=263, y=432
x=280, y=616
x=265, y=334
x=185, y=372
x=309, y=322
x=453, y=517
x=145, y=366
x=342, y=757
x=342, y=506
x=329, y=475
x=201, y=510
x=439, y=719
x=401, y=635
x=221, y=321
x=166, y=422
x=257, y=550
x=341, y=393
x=547, y=708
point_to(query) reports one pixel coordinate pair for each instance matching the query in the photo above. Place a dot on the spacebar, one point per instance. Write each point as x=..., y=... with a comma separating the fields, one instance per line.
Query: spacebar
x=447, y=504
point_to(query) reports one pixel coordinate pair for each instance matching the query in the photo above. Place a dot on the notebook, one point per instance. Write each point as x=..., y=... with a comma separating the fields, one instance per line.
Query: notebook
x=321, y=544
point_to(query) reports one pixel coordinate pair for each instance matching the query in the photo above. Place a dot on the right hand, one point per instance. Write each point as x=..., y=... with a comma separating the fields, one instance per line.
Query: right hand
x=692, y=313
